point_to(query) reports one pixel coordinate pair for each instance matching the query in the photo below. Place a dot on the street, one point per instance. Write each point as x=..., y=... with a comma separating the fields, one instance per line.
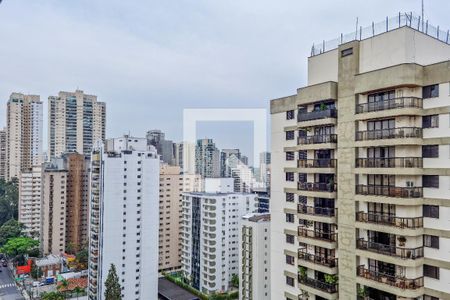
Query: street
x=8, y=289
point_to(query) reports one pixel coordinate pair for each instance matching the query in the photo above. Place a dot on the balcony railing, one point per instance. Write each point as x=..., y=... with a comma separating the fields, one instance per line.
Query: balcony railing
x=395, y=281
x=402, y=102
x=391, y=250
x=316, y=163
x=317, y=234
x=317, y=187
x=317, y=139
x=330, y=262
x=317, y=284
x=389, y=220
x=317, y=114
x=390, y=191
x=391, y=133
x=390, y=162
x=315, y=210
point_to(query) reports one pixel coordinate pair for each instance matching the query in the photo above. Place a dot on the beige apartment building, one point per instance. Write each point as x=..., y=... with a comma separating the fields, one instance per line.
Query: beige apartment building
x=361, y=169
x=76, y=121
x=3, y=154
x=23, y=133
x=29, y=204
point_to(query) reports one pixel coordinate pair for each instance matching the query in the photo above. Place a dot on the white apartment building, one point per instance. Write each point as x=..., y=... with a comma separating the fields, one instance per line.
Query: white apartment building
x=210, y=234
x=361, y=169
x=254, y=261
x=76, y=121
x=24, y=121
x=30, y=200
x=124, y=209
x=3, y=154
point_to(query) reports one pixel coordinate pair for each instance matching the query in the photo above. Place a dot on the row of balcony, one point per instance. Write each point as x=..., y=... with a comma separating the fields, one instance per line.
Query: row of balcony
x=318, y=284
x=330, y=262
x=392, y=280
x=316, y=210
x=317, y=187
x=317, y=234
x=389, y=191
x=389, y=220
x=372, y=162
x=390, y=250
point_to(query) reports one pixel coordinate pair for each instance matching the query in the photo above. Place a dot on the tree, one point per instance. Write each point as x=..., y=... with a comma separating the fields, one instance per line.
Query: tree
x=35, y=272
x=52, y=296
x=112, y=285
x=82, y=259
x=235, y=280
x=19, y=247
x=10, y=229
x=78, y=291
x=9, y=198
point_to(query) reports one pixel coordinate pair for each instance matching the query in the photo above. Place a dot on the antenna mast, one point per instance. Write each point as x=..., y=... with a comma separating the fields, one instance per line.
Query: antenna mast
x=423, y=15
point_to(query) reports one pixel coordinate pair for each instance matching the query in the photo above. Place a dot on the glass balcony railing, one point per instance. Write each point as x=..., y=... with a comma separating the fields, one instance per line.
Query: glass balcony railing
x=316, y=115
x=390, y=191
x=390, y=162
x=389, y=220
x=390, y=133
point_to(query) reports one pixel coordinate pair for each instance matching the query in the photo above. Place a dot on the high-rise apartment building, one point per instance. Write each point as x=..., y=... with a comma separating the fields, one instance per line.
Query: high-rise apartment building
x=166, y=148
x=53, y=209
x=207, y=159
x=3, y=154
x=209, y=234
x=75, y=122
x=264, y=168
x=185, y=157
x=124, y=219
x=29, y=205
x=361, y=170
x=229, y=158
x=24, y=133
x=254, y=262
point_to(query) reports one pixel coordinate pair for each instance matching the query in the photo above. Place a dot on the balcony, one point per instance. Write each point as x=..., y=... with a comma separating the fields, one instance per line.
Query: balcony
x=317, y=234
x=389, y=191
x=391, y=133
x=315, y=210
x=402, y=102
x=391, y=162
x=317, y=139
x=395, y=281
x=403, y=253
x=316, y=163
x=317, y=284
x=329, y=262
x=317, y=187
x=389, y=220
x=316, y=115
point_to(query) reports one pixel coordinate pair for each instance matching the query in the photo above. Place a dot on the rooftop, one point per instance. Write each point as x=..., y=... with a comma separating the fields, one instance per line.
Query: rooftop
x=48, y=260
x=403, y=19
x=257, y=217
x=170, y=291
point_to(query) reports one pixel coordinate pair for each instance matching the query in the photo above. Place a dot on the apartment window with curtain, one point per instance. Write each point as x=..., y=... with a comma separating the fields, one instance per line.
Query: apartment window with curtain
x=431, y=271
x=430, y=91
x=289, y=115
x=431, y=241
x=431, y=211
x=430, y=181
x=431, y=121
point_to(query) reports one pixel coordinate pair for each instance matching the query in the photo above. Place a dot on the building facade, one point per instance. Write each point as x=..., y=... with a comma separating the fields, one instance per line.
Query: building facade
x=29, y=206
x=75, y=122
x=3, y=154
x=24, y=120
x=361, y=167
x=207, y=159
x=229, y=158
x=124, y=221
x=210, y=235
x=264, y=168
x=254, y=262
x=166, y=148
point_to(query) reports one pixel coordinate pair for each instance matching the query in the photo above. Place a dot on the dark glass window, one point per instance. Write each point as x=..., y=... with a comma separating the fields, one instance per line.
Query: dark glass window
x=289, y=260
x=290, y=135
x=290, y=155
x=430, y=151
x=289, y=218
x=431, y=121
x=431, y=241
x=431, y=211
x=289, y=115
x=381, y=96
x=431, y=271
x=430, y=91
x=290, y=197
x=430, y=181
x=347, y=52
x=289, y=176
x=289, y=281
x=427, y=297
x=290, y=239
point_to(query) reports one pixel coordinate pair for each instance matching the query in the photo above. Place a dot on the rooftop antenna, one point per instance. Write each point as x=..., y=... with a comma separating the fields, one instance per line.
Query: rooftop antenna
x=356, y=31
x=423, y=14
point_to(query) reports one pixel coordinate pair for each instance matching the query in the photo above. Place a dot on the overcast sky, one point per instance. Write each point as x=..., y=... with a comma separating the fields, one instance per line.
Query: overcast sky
x=151, y=59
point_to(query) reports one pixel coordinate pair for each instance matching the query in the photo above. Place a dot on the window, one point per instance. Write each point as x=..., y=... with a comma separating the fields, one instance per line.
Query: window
x=290, y=239
x=290, y=155
x=430, y=151
x=289, y=176
x=289, y=260
x=431, y=211
x=431, y=241
x=289, y=115
x=289, y=281
x=430, y=181
x=430, y=91
x=426, y=297
x=289, y=218
x=431, y=271
x=347, y=52
x=431, y=121
x=290, y=197
x=290, y=135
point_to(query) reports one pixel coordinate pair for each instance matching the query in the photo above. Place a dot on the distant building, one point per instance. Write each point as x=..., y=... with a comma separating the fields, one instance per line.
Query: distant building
x=24, y=119
x=210, y=229
x=3, y=154
x=264, y=168
x=263, y=196
x=124, y=217
x=166, y=148
x=185, y=157
x=75, y=122
x=229, y=158
x=207, y=159
x=29, y=206
x=254, y=262
x=244, y=160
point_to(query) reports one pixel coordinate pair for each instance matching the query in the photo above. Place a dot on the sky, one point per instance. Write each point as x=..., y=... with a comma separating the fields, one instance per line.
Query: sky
x=149, y=60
